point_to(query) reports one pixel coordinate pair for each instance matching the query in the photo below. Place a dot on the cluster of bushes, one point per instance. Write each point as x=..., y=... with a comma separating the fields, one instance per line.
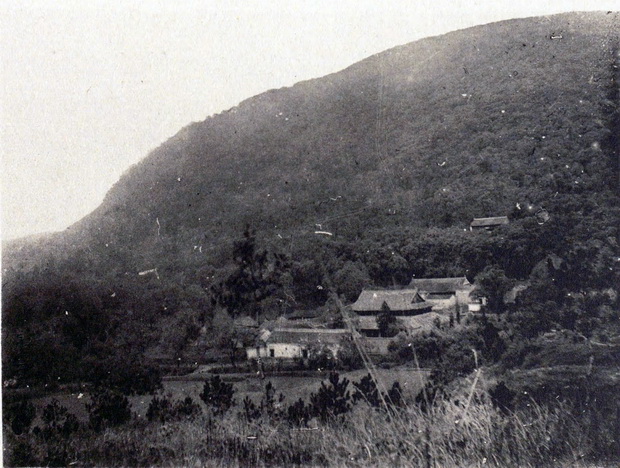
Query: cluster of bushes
x=48, y=437
x=332, y=400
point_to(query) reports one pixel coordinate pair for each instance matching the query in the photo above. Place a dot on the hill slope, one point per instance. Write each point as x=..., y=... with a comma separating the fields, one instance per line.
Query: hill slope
x=432, y=133
x=393, y=156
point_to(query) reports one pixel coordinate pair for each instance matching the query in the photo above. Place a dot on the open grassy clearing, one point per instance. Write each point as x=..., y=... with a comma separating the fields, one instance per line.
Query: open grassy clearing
x=250, y=385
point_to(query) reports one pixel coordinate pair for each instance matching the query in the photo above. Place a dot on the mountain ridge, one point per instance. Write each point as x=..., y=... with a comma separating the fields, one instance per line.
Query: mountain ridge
x=371, y=138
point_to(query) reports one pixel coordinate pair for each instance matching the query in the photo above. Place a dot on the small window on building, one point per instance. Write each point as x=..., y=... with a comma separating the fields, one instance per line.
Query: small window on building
x=272, y=353
x=304, y=353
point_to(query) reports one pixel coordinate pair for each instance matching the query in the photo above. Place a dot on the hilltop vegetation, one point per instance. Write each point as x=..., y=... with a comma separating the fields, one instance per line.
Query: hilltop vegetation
x=393, y=157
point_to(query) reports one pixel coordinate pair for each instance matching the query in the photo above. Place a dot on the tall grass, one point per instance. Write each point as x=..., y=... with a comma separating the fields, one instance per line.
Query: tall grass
x=444, y=435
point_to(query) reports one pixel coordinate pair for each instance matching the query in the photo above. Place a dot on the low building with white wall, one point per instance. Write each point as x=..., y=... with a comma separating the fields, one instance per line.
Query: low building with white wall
x=297, y=343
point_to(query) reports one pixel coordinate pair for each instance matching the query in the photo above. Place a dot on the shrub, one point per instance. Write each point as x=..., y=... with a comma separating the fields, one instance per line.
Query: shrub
x=19, y=414
x=57, y=420
x=331, y=400
x=502, y=397
x=395, y=396
x=218, y=395
x=108, y=408
x=58, y=453
x=163, y=410
x=348, y=356
x=250, y=410
x=186, y=408
x=159, y=409
x=366, y=389
x=299, y=413
x=269, y=404
x=20, y=453
x=320, y=357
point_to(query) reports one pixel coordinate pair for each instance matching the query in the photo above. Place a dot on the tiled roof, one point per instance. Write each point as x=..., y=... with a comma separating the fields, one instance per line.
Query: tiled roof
x=487, y=222
x=440, y=285
x=396, y=300
x=423, y=322
x=308, y=336
x=303, y=314
x=245, y=321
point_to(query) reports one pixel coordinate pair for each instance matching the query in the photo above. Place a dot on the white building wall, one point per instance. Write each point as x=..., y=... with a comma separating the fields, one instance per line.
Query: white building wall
x=283, y=351
x=256, y=352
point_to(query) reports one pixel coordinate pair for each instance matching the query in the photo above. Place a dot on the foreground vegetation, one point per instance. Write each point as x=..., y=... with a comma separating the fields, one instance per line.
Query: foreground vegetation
x=343, y=425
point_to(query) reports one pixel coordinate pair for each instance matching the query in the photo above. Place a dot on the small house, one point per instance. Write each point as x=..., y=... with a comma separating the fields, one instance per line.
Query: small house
x=399, y=302
x=444, y=293
x=488, y=224
x=292, y=343
x=511, y=296
x=476, y=303
x=301, y=315
x=245, y=322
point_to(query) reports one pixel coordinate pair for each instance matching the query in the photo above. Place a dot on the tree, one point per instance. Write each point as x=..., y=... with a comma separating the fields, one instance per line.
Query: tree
x=351, y=279
x=394, y=396
x=493, y=346
x=256, y=277
x=387, y=322
x=299, y=413
x=184, y=327
x=386, y=266
x=230, y=338
x=164, y=409
x=108, y=408
x=493, y=284
x=58, y=421
x=367, y=390
x=270, y=405
x=348, y=355
x=502, y=397
x=331, y=400
x=18, y=413
x=127, y=373
x=309, y=283
x=218, y=395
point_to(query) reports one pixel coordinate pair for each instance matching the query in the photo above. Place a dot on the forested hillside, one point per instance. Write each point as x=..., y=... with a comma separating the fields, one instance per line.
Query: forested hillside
x=392, y=157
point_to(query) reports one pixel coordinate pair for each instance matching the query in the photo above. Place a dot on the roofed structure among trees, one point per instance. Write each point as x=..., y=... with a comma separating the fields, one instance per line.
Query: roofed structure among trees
x=444, y=292
x=488, y=224
x=398, y=302
x=290, y=343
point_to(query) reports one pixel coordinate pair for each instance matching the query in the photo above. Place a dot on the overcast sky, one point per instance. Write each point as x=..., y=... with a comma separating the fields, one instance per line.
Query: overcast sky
x=89, y=87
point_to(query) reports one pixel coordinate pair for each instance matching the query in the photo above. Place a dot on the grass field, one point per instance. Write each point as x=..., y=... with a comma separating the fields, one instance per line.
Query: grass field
x=250, y=385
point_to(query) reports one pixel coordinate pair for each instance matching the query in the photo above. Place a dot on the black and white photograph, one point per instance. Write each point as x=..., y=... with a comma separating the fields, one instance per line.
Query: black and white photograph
x=310, y=233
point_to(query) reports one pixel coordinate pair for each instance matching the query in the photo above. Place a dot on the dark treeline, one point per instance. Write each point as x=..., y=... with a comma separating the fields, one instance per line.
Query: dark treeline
x=62, y=327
